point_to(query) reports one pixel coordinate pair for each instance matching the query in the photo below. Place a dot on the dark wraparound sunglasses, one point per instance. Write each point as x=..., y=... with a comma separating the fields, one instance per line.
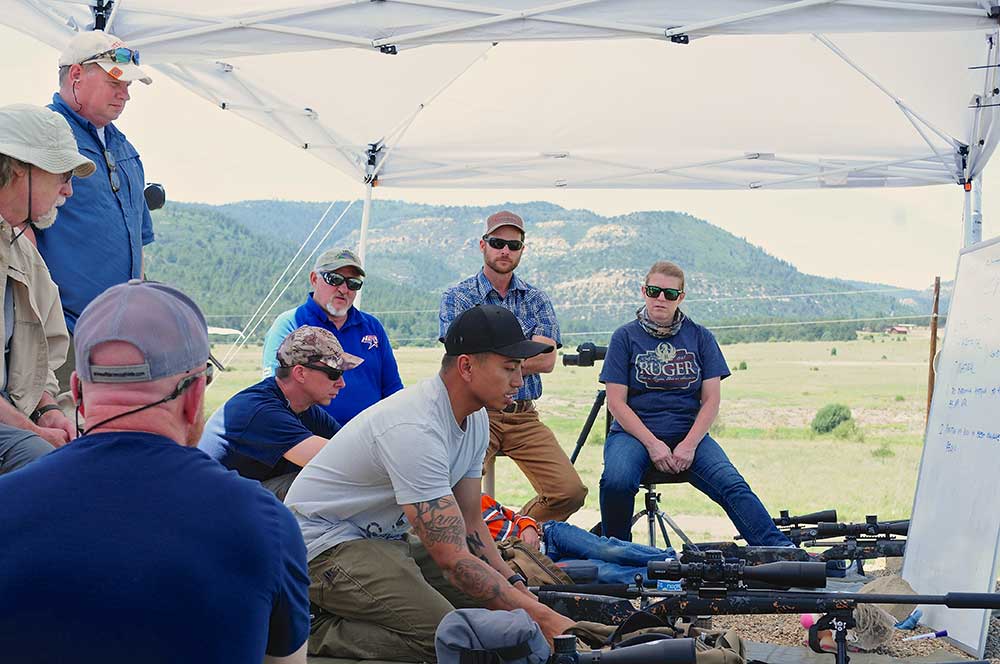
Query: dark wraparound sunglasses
x=499, y=243
x=332, y=374
x=335, y=279
x=116, y=182
x=668, y=293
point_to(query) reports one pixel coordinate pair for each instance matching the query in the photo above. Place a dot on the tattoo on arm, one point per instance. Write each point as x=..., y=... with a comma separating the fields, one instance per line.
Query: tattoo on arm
x=477, y=580
x=435, y=525
x=476, y=546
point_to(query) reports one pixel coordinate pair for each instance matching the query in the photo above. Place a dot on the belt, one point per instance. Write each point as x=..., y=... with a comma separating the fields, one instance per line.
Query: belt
x=520, y=406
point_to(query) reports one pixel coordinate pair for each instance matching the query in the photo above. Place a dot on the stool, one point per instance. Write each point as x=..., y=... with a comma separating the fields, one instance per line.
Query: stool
x=654, y=515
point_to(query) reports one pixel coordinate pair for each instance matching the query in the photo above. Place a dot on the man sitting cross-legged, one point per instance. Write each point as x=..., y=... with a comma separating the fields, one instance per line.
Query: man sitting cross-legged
x=414, y=460
x=270, y=430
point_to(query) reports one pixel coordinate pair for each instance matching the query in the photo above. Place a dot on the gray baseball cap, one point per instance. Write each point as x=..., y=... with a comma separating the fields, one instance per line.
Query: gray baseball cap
x=334, y=259
x=503, y=218
x=165, y=325
x=42, y=138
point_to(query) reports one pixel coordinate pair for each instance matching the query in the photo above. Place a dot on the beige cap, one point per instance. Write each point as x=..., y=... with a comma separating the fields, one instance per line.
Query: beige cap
x=87, y=47
x=310, y=344
x=503, y=218
x=42, y=138
x=334, y=259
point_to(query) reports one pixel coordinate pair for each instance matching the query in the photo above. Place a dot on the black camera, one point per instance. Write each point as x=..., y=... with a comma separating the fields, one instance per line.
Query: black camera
x=587, y=354
x=662, y=651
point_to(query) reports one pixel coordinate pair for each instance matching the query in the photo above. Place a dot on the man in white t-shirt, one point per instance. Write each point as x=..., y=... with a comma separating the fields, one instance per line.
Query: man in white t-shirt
x=390, y=511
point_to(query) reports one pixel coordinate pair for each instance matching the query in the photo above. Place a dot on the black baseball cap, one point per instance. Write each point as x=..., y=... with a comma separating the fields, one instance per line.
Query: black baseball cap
x=487, y=328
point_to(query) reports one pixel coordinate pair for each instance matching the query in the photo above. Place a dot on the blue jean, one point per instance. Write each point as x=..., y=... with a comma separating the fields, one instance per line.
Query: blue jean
x=616, y=561
x=626, y=461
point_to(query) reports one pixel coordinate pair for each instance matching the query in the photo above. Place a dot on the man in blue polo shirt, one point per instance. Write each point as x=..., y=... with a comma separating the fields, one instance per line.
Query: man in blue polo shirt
x=145, y=548
x=103, y=228
x=336, y=279
x=270, y=430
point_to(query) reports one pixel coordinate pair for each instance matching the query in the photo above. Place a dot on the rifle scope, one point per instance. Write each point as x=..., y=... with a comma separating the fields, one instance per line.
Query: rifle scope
x=826, y=516
x=662, y=651
x=869, y=528
x=716, y=573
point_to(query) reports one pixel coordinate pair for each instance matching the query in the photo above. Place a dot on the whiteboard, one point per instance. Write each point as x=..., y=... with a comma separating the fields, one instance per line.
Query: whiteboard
x=955, y=526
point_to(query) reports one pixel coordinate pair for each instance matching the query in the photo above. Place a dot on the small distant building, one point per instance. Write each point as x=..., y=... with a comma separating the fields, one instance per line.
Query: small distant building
x=897, y=329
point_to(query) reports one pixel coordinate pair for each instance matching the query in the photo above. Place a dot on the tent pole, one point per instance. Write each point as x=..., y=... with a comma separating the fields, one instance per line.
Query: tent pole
x=366, y=214
x=977, y=210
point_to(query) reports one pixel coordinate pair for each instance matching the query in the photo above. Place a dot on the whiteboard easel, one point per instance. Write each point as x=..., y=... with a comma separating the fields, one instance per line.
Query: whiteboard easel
x=954, y=535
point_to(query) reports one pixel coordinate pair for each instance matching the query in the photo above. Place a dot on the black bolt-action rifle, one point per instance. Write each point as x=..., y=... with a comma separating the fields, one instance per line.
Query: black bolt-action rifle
x=717, y=587
x=849, y=549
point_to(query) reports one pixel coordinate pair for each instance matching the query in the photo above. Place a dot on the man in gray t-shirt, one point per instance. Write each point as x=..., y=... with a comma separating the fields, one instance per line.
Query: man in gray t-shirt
x=390, y=509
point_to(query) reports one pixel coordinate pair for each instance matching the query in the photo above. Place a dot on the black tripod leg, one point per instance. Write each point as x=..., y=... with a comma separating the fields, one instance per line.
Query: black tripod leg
x=595, y=410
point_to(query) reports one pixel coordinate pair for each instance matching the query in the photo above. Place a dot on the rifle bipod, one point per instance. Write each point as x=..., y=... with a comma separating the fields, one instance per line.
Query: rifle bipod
x=838, y=621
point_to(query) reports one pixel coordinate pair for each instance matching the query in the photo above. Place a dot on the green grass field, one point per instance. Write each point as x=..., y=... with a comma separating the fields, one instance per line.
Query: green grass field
x=763, y=424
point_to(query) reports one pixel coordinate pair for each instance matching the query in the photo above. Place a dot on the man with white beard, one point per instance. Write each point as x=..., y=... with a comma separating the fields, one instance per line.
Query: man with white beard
x=336, y=279
x=38, y=159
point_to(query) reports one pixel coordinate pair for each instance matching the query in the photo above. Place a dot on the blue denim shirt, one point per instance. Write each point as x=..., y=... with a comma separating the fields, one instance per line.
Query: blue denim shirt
x=532, y=307
x=98, y=236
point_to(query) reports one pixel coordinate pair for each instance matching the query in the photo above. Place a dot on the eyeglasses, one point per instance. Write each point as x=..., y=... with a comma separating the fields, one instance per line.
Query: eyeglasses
x=120, y=55
x=335, y=279
x=116, y=182
x=499, y=243
x=333, y=374
x=668, y=293
x=67, y=176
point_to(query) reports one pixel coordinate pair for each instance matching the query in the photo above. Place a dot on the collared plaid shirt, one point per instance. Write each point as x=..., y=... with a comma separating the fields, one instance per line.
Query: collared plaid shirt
x=532, y=307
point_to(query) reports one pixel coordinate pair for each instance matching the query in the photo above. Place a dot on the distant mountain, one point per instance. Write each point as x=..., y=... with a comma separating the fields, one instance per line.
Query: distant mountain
x=592, y=266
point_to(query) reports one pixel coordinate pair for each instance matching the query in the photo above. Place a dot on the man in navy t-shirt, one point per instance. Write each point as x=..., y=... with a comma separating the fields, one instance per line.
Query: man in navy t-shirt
x=140, y=546
x=270, y=430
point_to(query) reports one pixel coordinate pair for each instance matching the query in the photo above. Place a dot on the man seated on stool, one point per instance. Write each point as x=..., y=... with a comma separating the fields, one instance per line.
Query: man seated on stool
x=270, y=430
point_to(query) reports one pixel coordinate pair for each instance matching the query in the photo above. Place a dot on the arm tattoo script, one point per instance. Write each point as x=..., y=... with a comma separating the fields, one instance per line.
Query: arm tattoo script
x=436, y=525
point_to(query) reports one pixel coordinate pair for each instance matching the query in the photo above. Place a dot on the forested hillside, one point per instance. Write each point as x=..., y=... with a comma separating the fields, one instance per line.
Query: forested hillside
x=592, y=266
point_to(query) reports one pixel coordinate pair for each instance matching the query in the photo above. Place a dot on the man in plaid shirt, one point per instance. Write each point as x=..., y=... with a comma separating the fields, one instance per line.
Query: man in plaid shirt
x=516, y=431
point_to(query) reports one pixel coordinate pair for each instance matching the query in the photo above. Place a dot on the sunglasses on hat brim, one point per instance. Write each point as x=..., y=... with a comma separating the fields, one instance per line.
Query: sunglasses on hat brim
x=120, y=55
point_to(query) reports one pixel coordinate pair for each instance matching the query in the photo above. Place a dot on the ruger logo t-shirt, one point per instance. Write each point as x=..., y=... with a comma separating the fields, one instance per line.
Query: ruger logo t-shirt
x=663, y=376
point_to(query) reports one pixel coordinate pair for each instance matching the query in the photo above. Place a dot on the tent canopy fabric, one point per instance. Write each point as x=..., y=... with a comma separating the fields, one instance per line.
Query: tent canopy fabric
x=587, y=94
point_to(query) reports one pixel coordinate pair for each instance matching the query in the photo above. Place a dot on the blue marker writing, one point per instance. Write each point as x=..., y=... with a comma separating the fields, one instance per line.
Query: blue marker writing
x=929, y=635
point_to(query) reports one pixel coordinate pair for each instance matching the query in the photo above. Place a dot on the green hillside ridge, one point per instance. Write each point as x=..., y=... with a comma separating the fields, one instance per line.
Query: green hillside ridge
x=592, y=266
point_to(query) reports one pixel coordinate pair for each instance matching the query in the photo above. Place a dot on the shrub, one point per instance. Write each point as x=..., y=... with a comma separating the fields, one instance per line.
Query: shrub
x=900, y=397
x=829, y=416
x=849, y=430
x=743, y=365
x=883, y=452
x=833, y=351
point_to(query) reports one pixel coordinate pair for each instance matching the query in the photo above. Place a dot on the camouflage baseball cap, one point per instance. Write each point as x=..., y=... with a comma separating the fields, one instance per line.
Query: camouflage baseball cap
x=334, y=259
x=310, y=344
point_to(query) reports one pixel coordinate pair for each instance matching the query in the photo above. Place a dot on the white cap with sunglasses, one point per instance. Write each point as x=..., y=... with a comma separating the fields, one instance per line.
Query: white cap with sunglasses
x=111, y=53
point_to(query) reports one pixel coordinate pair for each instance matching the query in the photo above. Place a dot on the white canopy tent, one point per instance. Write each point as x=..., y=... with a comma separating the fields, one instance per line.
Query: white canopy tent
x=711, y=94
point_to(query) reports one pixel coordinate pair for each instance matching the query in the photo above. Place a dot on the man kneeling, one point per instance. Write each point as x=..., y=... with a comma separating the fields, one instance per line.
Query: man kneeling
x=270, y=430
x=414, y=460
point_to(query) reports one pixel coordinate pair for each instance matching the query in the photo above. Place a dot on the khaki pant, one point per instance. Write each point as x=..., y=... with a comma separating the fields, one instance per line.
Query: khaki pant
x=535, y=450
x=379, y=599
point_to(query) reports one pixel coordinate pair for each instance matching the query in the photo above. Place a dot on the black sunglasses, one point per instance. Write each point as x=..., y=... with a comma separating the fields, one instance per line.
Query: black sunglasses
x=332, y=374
x=499, y=243
x=116, y=182
x=335, y=279
x=668, y=293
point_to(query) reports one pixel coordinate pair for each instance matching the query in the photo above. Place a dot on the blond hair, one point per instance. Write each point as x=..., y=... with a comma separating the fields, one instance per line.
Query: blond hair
x=668, y=269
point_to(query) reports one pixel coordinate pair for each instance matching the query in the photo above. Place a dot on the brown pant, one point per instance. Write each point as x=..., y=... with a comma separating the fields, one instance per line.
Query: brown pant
x=535, y=450
x=379, y=599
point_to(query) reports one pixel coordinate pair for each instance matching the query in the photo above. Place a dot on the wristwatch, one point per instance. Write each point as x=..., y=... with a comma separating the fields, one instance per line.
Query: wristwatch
x=515, y=577
x=41, y=410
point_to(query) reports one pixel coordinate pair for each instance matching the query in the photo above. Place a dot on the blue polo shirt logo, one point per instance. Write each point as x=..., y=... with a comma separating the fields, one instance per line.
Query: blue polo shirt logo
x=667, y=368
x=370, y=340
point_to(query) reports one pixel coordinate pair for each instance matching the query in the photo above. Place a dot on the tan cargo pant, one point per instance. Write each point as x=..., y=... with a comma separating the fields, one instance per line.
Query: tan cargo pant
x=534, y=448
x=379, y=599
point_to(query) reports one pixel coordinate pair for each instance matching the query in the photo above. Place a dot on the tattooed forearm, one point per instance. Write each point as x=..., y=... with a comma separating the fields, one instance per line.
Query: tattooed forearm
x=476, y=546
x=434, y=523
x=477, y=580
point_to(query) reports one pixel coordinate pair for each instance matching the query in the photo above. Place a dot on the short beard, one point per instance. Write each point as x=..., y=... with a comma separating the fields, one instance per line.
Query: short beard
x=46, y=220
x=514, y=262
x=335, y=312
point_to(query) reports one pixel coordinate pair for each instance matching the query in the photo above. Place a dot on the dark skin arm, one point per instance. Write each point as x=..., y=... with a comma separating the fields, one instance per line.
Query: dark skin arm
x=440, y=525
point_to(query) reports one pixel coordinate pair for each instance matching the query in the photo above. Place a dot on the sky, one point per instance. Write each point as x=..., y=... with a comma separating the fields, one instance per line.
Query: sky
x=199, y=152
